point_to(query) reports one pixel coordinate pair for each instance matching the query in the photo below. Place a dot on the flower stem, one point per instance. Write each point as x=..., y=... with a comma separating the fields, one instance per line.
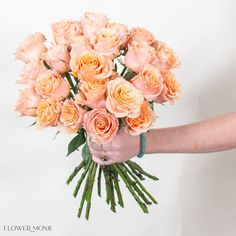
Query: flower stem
x=99, y=180
x=75, y=172
x=71, y=82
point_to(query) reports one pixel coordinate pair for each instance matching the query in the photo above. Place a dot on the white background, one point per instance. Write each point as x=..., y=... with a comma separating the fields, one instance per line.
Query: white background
x=196, y=193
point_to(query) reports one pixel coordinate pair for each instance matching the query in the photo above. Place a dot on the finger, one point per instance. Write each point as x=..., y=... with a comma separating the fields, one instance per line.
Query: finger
x=99, y=154
x=98, y=146
x=102, y=162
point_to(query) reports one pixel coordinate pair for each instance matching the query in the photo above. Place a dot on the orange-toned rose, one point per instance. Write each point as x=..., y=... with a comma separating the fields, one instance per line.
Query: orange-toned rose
x=27, y=102
x=143, y=122
x=31, y=48
x=166, y=58
x=79, y=45
x=47, y=112
x=71, y=117
x=142, y=34
x=101, y=125
x=51, y=84
x=107, y=42
x=89, y=65
x=92, y=93
x=139, y=54
x=171, y=90
x=123, y=99
x=149, y=81
x=65, y=31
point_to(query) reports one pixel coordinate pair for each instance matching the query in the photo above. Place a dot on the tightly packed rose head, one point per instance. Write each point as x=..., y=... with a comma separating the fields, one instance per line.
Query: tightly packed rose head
x=97, y=75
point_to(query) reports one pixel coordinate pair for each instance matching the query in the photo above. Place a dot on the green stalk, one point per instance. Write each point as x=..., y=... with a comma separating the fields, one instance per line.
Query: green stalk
x=123, y=71
x=99, y=181
x=108, y=197
x=113, y=203
x=75, y=172
x=71, y=82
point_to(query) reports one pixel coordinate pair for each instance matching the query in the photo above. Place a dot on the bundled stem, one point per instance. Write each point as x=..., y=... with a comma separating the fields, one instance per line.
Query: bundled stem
x=99, y=180
x=76, y=170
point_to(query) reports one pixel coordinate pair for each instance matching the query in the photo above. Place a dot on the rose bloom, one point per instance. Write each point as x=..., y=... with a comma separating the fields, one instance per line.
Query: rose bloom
x=51, y=84
x=79, y=45
x=142, y=123
x=149, y=81
x=166, y=58
x=47, y=113
x=31, y=48
x=107, y=42
x=92, y=93
x=30, y=72
x=171, y=90
x=101, y=125
x=92, y=22
x=89, y=65
x=71, y=117
x=123, y=99
x=65, y=31
x=58, y=58
x=142, y=34
x=27, y=102
x=139, y=54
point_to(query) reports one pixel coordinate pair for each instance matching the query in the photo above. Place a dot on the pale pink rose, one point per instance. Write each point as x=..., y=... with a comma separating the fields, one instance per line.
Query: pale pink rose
x=71, y=117
x=142, y=123
x=149, y=81
x=47, y=113
x=139, y=54
x=27, y=102
x=107, y=42
x=30, y=72
x=31, y=48
x=80, y=45
x=100, y=125
x=123, y=99
x=65, y=31
x=92, y=22
x=51, y=84
x=142, y=34
x=166, y=58
x=90, y=65
x=58, y=58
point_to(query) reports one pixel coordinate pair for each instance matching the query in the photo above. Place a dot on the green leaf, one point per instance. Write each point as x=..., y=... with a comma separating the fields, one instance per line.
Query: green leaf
x=129, y=75
x=86, y=152
x=46, y=65
x=76, y=142
x=34, y=123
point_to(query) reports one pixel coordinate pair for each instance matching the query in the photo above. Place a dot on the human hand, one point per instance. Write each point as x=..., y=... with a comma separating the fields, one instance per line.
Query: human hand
x=122, y=148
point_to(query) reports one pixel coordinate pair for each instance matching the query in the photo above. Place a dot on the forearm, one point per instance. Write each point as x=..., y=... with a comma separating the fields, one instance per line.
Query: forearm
x=216, y=134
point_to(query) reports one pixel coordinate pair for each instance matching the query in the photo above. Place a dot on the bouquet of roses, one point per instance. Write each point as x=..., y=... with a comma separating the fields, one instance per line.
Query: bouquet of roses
x=96, y=78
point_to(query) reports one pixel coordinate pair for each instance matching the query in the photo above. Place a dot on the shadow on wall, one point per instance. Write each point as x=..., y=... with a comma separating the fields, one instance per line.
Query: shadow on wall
x=208, y=181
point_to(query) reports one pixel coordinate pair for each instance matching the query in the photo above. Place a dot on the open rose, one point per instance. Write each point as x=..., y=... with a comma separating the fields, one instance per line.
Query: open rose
x=47, y=112
x=65, y=31
x=27, y=102
x=92, y=22
x=89, y=65
x=149, y=81
x=92, y=93
x=51, y=84
x=101, y=125
x=58, y=58
x=79, y=45
x=123, y=99
x=107, y=42
x=71, y=117
x=31, y=48
x=139, y=54
x=142, y=123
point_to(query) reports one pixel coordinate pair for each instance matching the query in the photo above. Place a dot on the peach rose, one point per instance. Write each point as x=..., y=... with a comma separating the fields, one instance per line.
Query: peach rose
x=123, y=99
x=89, y=65
x=142, y=34
x=31, y=48
x=30, y=72
x=171, y=90
x=58, y=58
x=107, y=42
x=139, y=54
x=51, y=84
x=79, y=45
x=65, y=31
x=71, y=117
x=27, y=102
x=142, y=123
x=149, y=81
x=101, y=125
x=166, y=58
x=48, y=111
x=92, y=93
x=92, y=22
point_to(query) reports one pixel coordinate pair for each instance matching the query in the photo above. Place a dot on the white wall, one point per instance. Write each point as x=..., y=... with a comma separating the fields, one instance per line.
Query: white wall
x=196, y=193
